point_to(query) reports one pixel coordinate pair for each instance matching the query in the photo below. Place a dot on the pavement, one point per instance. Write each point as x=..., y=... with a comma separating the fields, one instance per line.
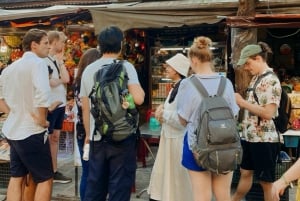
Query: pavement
x=66, y=192
x=69, y=192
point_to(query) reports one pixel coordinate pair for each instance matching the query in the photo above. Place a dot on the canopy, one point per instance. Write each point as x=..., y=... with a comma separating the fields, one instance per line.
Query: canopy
x=178, y=13
x=37, y=12
x=161, y=14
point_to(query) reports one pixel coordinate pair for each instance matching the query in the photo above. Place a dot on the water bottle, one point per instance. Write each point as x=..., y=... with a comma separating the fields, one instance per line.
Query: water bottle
x=130, y=100
x=154, y=124
x=86, y=150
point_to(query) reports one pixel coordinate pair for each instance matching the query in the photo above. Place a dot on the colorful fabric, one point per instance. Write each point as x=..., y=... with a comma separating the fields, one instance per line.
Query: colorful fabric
x=268, y=91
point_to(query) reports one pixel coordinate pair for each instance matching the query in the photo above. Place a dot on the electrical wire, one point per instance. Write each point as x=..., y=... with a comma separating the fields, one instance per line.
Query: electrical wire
x=285, y=36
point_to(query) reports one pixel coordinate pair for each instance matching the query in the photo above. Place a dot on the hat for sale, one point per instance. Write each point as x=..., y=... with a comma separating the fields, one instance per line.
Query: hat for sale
x=248, y=51
x=180, y=63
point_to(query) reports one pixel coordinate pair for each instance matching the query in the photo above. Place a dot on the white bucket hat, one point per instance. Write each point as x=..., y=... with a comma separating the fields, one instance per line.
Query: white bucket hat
x=180, y=63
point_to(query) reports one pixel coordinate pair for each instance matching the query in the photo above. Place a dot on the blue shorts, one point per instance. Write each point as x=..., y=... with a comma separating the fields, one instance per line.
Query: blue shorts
x=188, y=160
x=31, y=155
x=56, y=119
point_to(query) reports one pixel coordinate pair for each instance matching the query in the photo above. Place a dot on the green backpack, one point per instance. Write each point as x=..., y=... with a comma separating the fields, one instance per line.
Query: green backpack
x=115, y=116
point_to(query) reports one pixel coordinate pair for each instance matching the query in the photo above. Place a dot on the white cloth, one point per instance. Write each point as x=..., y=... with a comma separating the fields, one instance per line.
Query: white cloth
x=25, y=86
x=169, y=179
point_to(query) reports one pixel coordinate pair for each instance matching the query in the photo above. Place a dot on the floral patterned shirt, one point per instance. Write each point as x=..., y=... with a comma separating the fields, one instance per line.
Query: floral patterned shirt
x=268, y=91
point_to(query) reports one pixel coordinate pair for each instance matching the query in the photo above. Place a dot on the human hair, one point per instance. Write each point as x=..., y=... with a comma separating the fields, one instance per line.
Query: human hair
x=88, y=57
x=266, y=51
x=110, y=40
x=201, y=49
x=53, y=35
x=32, y=35
x=62, y=36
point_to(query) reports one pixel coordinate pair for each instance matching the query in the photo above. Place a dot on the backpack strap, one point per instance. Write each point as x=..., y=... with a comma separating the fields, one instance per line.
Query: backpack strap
x=201, y=89
x=55, y=64
x=199, y=86
x=257, y=82
x=222, y=85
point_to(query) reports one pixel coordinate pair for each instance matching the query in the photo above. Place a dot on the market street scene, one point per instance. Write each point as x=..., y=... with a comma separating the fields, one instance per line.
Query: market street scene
x=156, y=100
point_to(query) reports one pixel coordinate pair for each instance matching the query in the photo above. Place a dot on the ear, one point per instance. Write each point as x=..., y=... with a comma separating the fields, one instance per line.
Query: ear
x=33, y=45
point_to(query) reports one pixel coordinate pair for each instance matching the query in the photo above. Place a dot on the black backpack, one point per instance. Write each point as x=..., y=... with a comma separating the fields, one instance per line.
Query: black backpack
x=218, y=146
x=285, y=106
x=112, y=119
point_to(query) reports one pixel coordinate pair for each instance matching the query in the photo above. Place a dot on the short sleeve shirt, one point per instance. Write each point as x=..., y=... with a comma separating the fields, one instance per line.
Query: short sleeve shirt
x=24, y=85
x=189, y=101
x=268, y=91
x=87, y=83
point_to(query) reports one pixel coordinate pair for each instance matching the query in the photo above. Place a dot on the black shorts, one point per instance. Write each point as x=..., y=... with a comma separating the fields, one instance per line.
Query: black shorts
x=261, y=157
x=31, y=155
x=56, y=119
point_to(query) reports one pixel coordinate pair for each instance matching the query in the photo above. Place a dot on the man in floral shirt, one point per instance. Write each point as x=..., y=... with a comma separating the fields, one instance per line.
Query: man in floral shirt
x=260, y=144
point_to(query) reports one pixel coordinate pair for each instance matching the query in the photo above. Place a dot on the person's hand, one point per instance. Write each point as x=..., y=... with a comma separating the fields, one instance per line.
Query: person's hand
x=60, y=57
x=239, y=99
x=159, y=113
x=40, y=121
x=278, y=189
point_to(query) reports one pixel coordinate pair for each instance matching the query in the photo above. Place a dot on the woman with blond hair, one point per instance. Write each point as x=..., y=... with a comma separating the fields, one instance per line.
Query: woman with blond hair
x=204, y=182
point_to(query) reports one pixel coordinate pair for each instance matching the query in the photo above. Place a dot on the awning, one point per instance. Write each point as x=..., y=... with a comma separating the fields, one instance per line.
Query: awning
x=189, y=12
x=161, y=14
x=38, y=12
x=265, y=20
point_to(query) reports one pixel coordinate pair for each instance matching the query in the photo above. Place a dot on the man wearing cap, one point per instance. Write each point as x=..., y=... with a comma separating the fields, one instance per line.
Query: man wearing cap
x=169, y=179
x=260, y=138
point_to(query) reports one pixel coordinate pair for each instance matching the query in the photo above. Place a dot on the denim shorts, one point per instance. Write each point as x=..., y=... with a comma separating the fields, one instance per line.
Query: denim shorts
x=188, y=160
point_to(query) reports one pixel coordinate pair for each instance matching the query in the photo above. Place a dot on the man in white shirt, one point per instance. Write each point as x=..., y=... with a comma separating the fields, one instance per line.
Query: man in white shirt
x=59, y=78
x=24, y=94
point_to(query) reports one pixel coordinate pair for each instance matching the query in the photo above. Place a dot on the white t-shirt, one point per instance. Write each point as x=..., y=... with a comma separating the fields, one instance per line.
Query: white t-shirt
x=87, y=83
x=58, y=93
x=24, y=85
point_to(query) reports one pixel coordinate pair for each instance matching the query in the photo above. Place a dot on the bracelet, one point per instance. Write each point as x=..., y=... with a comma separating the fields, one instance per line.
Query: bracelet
x=286, y=182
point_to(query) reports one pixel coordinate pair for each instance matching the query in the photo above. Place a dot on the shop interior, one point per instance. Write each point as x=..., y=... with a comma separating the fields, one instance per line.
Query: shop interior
x=285, y=61
x=148, y=49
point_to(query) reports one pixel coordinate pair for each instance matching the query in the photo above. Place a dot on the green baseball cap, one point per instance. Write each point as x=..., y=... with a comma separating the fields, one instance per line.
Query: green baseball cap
x=248, y=51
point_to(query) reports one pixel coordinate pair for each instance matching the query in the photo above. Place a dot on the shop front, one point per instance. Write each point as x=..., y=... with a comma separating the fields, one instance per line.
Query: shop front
x=155, y=31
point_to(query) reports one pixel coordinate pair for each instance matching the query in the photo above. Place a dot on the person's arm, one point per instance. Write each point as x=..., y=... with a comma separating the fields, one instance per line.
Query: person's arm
x=86, y=117
x=41, y=117
x=290, y=175
x=266, y=112
x=182, y=121
x=42, y=95
x=137, y=93
x=64, y=76
x=4, y=107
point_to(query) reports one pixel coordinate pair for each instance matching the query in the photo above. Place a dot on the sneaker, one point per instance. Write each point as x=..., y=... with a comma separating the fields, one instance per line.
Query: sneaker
x=60, y=178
